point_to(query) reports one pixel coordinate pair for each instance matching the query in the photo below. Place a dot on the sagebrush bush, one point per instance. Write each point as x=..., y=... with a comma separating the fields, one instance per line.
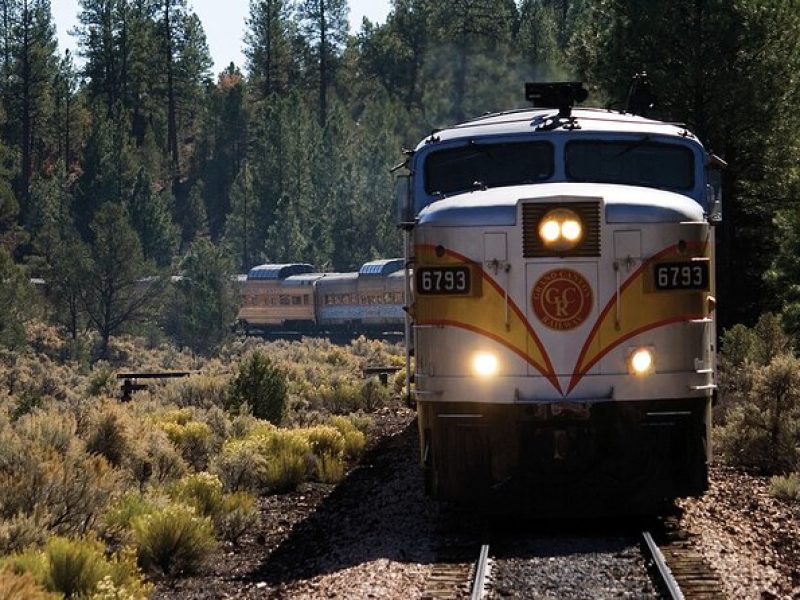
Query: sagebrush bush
x=352, y=428
x=76, y=568
x=240, y=466
x=236, y=514
x=785, y=487
x=760, y=426
x=201, y=491
x=65, y=487
x=329, y=468
x=21, y=531
x=153, y=458
x=261, y=385
x=173, y=539
x=120, y=514
x=22, y=586
x=194, y=440
x=288, y=459
x=107, y=434
x=201, y=391
x=324, y=440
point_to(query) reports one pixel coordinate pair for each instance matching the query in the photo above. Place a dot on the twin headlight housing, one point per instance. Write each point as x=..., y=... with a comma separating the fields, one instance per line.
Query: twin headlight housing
x=561, y=229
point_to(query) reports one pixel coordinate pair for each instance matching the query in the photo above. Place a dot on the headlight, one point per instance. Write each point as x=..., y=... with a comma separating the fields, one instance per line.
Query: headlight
x=642, y=361
x=485, y=364
x=561, y=229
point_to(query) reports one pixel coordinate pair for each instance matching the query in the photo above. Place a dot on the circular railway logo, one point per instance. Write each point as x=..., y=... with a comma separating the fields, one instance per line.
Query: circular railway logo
x=562, y=299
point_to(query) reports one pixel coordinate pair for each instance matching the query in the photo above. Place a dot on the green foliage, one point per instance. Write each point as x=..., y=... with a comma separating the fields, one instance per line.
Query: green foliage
x=107, y=436
x=237, y=515
x=203, y=308
x=16, y=302
x=80, y=568
x=201, y=491
x=173, y=539
x=240, y=466
x=761, y=427
x=352, y=429
x=113, y=292
x=749, y=53
x=785, y=487
x=261, y=385
x=193, y=439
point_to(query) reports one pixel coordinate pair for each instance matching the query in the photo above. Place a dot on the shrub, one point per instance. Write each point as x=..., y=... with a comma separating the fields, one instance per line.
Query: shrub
x=289, y=459
x=240, y=466
x=329, y=468
x=21, y=586
x=261, y=385
x=785, y=487
x=762, y=431
x=76, y=568
x=152, y=457
x=173, y=539
x=201, y=491
x=324, y=440
x=107, y=436
x=102, y=382
x=65, y=491
x=374, y=395
x=194, y=441
x=353, y=436
x=23, y=530
x=201, y=391
x=121, y=514
x=237, y=513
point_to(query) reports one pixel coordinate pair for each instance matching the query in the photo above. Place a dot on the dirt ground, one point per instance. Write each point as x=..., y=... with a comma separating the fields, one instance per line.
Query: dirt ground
x=749, y=537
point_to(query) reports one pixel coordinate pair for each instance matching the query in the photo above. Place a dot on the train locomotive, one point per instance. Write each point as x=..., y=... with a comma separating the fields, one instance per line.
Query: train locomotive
x=560, y=264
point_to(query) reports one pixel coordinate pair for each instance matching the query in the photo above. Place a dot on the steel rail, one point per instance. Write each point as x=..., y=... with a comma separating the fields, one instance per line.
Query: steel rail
x=479, y=581
x=670, y=584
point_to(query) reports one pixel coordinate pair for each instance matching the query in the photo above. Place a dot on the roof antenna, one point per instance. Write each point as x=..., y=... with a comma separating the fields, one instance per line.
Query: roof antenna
x=640, y=95
x=561, y=95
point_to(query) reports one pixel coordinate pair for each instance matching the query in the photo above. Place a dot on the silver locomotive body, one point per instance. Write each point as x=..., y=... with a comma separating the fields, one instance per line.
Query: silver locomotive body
x=563, y=311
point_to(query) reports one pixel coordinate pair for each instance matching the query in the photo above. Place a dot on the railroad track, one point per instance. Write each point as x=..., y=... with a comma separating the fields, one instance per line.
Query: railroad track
x=691, y=576
x=676, y=572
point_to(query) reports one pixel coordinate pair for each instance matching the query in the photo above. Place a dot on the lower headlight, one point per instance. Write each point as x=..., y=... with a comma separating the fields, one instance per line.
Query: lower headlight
x=485, y=364
x=642, y=361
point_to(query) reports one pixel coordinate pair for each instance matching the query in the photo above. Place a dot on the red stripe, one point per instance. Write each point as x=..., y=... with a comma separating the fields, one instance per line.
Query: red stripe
x=577, y=376
x=612, y=301
x=512, y=304
x=550, y=376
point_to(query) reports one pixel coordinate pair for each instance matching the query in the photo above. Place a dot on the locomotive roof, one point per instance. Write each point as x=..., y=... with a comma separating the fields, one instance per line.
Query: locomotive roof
x=532, y=120
x=381, y=267
x=278, y=271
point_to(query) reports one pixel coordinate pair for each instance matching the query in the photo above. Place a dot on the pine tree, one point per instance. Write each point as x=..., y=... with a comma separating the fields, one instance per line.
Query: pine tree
x=268, y=47
x=17, y=302
x=324, y=26
x=30, y=102
x=150, y=216
x=115, y=292
x=204, y=305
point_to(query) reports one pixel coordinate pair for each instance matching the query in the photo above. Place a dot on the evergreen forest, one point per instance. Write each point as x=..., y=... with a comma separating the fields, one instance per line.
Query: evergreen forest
x=134, y=160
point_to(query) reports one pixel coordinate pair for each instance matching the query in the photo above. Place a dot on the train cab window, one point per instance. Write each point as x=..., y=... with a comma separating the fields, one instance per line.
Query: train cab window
x=296, y=300
x=305, y=299
x=491, y=165
x=284, y=300
x=635, y=162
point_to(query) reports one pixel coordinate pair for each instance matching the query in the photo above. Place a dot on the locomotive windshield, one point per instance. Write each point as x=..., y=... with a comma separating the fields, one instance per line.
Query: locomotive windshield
x=637, y=162
x=487, y=165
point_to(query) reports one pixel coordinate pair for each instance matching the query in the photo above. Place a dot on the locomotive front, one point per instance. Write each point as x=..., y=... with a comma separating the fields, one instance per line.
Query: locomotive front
x=563, y=310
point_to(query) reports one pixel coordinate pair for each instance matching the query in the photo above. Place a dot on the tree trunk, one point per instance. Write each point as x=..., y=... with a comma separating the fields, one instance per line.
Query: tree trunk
x=172, y=125
x=323, y=66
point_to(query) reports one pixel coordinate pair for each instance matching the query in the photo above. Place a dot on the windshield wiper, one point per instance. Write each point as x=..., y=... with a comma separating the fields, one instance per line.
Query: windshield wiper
x=633, y=146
